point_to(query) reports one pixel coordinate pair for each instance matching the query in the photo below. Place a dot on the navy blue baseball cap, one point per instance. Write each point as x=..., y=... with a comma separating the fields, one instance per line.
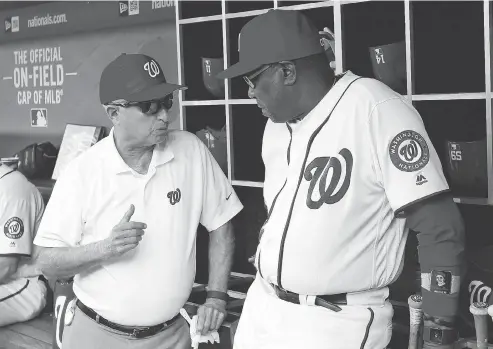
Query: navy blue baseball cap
x=134, y=78
x=275, y=36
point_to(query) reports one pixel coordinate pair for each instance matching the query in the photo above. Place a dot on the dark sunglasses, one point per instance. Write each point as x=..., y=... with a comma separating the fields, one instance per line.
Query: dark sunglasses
x=150, y=107
x=249, y=79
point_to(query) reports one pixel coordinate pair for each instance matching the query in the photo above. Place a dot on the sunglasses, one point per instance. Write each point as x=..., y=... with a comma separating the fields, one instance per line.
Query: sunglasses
x=248, y=79
x=150, y=107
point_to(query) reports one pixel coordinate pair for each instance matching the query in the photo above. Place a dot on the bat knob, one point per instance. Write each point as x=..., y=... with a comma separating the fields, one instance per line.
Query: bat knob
x=415, y=301
x=479, y=308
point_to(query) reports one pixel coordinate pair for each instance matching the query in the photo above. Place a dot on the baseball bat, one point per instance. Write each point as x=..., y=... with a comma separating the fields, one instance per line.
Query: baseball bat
x=480, y=312
x=416, y=317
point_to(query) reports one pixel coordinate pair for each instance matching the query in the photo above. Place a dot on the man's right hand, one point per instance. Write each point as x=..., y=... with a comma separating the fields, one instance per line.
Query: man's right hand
x=125, y=236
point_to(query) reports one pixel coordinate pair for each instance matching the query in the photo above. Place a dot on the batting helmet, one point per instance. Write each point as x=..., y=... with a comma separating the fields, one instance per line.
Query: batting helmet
x=210, y=68
x=389, y=65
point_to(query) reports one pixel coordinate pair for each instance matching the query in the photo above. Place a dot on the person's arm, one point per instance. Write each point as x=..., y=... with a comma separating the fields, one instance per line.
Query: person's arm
x=221, y=250
x=219, y=205
x=408, y=167
x=8, y=267
x=440, y=233
x=21, y=204
x=63, y=262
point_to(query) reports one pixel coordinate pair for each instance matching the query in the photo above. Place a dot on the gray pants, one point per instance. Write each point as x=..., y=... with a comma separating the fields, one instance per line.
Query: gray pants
x=84, y=333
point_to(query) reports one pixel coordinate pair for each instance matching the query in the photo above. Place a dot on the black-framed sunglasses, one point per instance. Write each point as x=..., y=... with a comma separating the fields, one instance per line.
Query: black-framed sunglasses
x=150, y=107
x=248, y=79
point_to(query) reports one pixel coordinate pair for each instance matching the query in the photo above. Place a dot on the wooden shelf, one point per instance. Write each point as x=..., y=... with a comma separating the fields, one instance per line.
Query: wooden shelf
x=202, y=103
x=448, y=96
x=248, y=184
x=473, y=201
x=200, y=19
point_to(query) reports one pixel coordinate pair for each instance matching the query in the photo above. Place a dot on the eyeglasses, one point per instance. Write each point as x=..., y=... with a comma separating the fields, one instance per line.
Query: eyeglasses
x=150, y=107
x=248, y=79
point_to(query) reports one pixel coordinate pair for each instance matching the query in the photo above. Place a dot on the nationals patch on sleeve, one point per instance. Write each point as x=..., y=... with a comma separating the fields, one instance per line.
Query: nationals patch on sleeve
x=14, y=228
x=409, y=151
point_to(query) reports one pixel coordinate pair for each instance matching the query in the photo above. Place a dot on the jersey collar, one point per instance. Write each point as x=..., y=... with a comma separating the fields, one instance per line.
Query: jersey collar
x=5, y=170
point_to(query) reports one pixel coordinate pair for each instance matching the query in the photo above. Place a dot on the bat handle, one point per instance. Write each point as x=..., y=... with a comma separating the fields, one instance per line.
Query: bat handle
x=480, y=312
x=415, y=319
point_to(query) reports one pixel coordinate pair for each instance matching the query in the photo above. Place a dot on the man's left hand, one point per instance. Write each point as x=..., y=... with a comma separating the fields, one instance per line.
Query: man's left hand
x=210, y=315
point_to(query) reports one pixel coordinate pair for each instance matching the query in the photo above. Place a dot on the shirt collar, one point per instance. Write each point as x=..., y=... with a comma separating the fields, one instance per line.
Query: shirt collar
x=4, y=170
x=161, y=154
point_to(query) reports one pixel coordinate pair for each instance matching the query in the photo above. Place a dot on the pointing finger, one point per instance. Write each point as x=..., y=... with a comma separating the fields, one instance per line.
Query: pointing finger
x=128, y=214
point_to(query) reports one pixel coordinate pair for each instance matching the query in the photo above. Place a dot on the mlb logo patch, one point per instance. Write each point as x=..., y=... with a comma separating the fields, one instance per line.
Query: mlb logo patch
x=39, y=117
x=12, y=24
x=128, y=8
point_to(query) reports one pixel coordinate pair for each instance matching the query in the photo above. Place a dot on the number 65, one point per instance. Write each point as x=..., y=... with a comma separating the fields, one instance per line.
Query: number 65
x=456, y=155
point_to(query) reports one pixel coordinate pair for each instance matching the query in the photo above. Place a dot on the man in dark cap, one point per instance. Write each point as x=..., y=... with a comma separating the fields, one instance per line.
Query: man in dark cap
x=123, y=218
x=350, y=170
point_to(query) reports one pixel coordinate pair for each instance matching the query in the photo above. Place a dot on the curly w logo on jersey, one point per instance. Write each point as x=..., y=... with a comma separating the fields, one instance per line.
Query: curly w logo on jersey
x=317, y=172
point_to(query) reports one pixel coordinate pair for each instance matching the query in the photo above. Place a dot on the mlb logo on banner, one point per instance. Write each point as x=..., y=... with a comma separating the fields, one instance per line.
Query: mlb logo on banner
x=128, y=8
x=8, y=25
x=12, y=24
x=15, y=24
x=39, y=117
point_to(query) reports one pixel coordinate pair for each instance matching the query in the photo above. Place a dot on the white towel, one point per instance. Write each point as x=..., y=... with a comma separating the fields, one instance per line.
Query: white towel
x=196, y=337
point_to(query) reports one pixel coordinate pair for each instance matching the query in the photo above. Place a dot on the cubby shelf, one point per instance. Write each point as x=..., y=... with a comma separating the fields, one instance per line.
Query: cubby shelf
x=473, y=201
x=248, y=184
x=200, y=19
x=448, y=96
x=438, y=76
x=206, y=102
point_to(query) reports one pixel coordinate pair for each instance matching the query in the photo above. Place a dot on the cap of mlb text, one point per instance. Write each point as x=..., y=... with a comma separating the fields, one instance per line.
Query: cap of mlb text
x=275, y=36
x=134, y=78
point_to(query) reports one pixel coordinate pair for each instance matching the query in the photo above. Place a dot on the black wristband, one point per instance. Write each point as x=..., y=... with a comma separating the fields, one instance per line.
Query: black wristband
x=218, y=294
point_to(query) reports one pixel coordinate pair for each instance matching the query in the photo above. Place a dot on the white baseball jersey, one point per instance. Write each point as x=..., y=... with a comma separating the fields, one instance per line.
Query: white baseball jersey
x=334, y=183
x=21, y=208
x=184, y=186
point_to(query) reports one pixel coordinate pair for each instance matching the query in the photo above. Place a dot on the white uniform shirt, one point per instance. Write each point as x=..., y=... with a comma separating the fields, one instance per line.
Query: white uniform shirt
x=184, y=186
x=21, y=209
x=339, y=182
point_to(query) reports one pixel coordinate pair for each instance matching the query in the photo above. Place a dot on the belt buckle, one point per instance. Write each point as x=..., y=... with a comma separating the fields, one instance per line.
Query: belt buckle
x=137, y=332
